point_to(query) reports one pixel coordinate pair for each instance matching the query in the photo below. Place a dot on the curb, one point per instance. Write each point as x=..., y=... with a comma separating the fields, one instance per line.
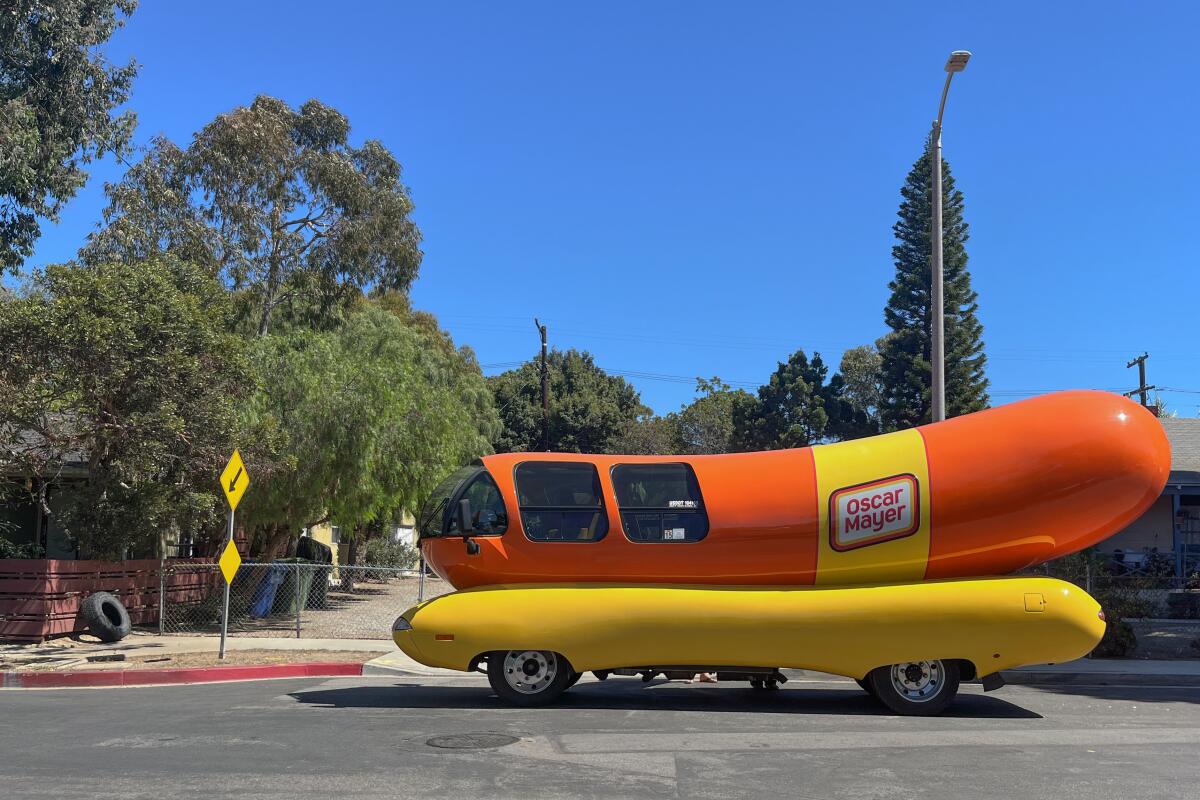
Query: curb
x=382, y=671
x=158, y=677
x=1020, y=678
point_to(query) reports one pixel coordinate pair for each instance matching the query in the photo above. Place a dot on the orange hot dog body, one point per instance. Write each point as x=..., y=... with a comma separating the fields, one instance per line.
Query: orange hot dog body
x=982, y=494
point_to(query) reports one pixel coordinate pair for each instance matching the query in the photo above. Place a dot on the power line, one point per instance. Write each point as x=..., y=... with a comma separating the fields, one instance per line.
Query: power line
x=1043, y=355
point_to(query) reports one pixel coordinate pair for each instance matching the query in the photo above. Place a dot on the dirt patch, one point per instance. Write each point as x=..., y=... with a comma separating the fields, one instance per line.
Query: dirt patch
x=241, y=658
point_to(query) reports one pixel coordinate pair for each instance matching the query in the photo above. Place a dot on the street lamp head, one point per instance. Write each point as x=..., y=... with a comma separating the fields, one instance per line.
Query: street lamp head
x=958, y=61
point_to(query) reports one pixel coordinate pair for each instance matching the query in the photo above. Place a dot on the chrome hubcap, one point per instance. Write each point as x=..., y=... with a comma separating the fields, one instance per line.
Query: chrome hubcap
x=918, y=681
x=530, y=671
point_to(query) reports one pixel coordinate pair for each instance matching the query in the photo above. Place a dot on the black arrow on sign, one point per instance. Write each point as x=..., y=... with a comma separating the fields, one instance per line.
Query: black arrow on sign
x=233, y=481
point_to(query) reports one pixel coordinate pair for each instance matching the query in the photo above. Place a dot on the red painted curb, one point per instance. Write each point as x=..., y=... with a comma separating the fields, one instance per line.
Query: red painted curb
x=153, y=677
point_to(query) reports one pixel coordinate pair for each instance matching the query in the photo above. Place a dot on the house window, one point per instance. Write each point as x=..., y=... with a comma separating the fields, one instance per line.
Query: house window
x=660, y=503
x=561, y=502
x=335, y=534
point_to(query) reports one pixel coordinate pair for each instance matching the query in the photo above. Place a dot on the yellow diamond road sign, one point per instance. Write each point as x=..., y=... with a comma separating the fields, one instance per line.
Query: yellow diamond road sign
x=234, y=479
x=229, y=562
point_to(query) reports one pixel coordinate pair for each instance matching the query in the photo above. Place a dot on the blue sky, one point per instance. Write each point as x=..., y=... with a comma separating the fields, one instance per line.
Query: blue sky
x=694, y=189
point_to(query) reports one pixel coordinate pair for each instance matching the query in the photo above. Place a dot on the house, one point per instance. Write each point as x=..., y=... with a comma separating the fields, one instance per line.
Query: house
x=331, y=535
x=1170, y=527
x=29, y=501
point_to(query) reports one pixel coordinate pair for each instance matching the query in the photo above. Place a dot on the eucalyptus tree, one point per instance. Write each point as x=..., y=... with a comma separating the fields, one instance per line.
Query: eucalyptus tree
x=277, y=201
x=58, y=101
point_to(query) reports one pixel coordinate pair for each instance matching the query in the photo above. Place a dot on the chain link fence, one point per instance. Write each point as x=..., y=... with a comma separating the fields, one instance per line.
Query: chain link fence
x=293, y=598
x=1148, y=596
x=1134, y=596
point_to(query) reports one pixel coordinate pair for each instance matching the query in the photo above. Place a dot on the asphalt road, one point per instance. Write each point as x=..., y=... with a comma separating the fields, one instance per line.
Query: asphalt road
x=351, y=738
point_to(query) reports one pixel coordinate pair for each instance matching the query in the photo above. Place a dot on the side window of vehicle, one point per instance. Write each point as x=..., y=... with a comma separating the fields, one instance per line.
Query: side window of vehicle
x=660, y=502
x=487, y=507
x=561, y=501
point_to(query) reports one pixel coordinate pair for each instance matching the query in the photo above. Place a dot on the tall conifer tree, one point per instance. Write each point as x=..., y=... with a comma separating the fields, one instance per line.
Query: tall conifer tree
x=906, y=377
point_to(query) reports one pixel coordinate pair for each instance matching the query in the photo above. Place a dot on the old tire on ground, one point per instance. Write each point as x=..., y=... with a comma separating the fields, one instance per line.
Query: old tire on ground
x=917, y=688
x=528, y=677
x=106, y=618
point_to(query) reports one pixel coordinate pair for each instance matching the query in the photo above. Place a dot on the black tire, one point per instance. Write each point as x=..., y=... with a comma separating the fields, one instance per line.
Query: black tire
x=528, y=677
x=933, y=687
x=865, y=685
x=107, y=619
x=574, y=679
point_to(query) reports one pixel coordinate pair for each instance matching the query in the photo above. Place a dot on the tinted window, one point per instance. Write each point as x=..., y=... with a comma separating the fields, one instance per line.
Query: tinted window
x=487, y=507
x=561, y=502
x=660, y=502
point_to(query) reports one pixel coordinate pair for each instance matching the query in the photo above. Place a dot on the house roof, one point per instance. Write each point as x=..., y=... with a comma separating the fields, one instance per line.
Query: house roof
x=1184, y=436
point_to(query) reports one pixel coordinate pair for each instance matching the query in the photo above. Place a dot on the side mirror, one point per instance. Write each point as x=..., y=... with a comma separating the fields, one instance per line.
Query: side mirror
x=465, y=525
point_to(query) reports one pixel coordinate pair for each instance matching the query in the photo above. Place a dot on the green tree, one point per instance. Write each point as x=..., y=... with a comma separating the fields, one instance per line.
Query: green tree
x=57, y=97
x=706, y=425
x=588, y=407
x=295, y=215
x=649, y=435
x=129, y=370
x=861, y=369
x=362, y=422
x=906, y=375
x=797, y=408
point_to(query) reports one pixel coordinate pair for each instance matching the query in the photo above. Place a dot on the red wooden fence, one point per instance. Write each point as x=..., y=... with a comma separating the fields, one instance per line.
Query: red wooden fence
x=39, y=598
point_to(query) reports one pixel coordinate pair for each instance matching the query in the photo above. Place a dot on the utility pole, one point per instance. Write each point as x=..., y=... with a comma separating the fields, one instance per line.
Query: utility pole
x=545, y=389
x=1143, y=389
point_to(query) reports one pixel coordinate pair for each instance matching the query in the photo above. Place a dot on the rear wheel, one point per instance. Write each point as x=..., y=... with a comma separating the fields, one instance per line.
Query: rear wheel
x=528, y=677
x=865, y=685
x=915, y=688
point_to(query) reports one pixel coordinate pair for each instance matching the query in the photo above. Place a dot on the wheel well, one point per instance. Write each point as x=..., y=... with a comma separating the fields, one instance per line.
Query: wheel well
x=966, y=669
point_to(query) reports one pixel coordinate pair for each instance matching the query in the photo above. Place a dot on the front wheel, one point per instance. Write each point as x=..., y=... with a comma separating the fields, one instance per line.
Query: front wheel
x=915, y=688
x=528, y=677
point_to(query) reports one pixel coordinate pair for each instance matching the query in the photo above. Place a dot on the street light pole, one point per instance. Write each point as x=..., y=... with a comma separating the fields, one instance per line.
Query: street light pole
x=956, y=63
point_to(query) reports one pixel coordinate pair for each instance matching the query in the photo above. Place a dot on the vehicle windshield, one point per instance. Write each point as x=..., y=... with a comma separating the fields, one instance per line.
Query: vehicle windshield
x=433, y=513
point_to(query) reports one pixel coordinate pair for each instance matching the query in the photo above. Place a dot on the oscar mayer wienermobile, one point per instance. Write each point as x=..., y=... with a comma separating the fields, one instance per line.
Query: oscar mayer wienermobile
x=868, y=559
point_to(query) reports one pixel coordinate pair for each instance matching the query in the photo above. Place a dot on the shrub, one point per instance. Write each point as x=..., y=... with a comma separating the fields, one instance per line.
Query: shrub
x=10, y=550
x=384, y=552
x=1119, y=640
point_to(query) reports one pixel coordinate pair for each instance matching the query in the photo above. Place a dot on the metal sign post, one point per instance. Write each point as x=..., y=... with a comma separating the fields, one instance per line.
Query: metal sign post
x=234, y=481
x=228, y=580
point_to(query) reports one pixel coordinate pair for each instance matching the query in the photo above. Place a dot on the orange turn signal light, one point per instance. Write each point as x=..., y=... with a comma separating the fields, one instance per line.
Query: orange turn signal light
x=444, y=637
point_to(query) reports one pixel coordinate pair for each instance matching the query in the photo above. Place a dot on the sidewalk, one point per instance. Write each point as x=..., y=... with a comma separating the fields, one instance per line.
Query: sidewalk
x=1110, y=672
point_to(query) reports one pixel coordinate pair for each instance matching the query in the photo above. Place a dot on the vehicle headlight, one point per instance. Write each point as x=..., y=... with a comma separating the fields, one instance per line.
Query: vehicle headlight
x=401, y=624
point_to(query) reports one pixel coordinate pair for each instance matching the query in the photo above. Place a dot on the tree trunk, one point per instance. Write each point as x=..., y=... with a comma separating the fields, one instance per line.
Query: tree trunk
x=351, y=558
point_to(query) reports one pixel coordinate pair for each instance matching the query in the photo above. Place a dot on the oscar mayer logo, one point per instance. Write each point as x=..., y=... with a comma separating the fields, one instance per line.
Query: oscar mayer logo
x=870, y=513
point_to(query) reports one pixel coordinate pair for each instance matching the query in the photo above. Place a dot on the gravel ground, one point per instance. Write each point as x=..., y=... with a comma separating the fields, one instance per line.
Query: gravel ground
x=365, y=611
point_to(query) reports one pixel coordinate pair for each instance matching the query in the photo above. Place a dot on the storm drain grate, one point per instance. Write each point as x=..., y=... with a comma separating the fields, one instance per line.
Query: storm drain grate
x=472, y=741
